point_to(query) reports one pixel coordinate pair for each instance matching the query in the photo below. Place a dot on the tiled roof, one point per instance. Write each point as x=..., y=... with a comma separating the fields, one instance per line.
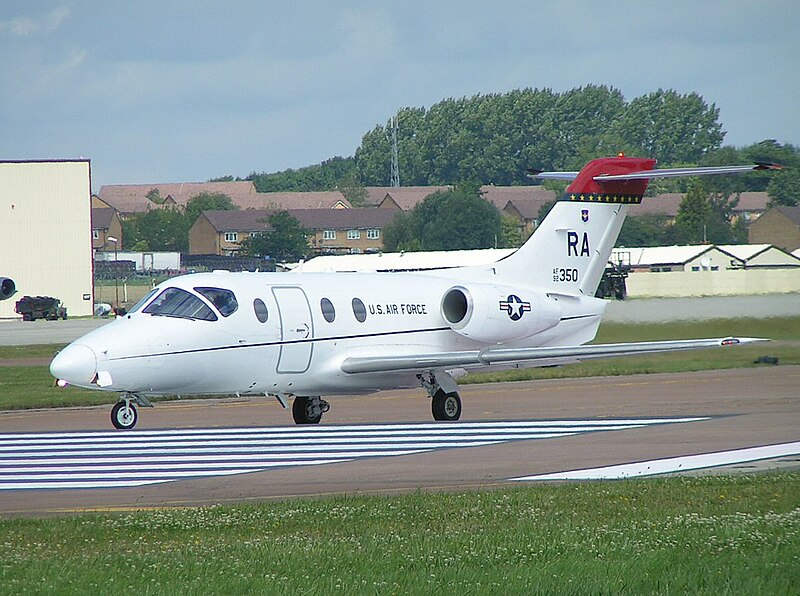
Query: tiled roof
x=101, y=218
x=793, y=213
x=528, y=200
x=314, y=219
x=132, y=198
x=668, y=204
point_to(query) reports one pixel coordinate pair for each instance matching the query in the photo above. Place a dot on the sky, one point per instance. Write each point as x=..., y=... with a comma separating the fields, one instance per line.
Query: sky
x=164, y=91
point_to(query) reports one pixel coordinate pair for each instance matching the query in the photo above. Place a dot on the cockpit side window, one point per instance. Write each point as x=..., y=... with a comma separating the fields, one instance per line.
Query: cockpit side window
x=223, y=300
x=174, y=302
x=143, y=301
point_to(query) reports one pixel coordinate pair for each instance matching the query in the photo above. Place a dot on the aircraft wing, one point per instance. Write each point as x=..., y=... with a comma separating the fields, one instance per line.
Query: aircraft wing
x=535, y=356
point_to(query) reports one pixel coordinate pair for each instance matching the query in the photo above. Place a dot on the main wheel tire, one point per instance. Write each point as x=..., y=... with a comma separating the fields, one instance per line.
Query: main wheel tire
x=303, y=411
x=124, y=416
x=446, y=406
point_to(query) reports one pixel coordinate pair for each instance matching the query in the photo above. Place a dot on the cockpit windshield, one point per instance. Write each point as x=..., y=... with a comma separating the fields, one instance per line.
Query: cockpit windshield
x=223, y=300
x=174, y=302
x=143, y=301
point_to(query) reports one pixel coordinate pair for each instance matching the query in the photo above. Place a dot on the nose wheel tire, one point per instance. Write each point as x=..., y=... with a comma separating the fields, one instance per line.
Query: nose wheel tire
x=446, y=406
x=123, y=415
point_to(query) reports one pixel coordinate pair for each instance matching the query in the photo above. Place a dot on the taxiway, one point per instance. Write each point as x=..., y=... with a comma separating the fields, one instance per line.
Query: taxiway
x=242, y=450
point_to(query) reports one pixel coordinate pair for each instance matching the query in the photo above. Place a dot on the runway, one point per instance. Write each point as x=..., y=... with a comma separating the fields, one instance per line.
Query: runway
x=202, y=452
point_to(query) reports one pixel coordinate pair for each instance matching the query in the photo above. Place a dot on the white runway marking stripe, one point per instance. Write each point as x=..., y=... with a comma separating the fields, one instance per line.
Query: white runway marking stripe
x=674, y=464
x=73, y=460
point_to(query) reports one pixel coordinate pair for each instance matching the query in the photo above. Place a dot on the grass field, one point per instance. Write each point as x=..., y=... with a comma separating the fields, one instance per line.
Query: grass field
x=705, y=535
x=32, y=386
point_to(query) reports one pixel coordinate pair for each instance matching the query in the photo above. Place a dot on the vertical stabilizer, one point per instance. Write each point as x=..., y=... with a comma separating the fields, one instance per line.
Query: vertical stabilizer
x=569, y=250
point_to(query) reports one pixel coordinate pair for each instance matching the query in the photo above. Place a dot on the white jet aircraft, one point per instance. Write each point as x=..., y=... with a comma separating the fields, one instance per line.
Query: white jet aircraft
x=321, y=334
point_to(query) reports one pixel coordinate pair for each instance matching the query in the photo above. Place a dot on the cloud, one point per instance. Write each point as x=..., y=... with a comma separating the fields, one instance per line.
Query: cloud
x=26, y=26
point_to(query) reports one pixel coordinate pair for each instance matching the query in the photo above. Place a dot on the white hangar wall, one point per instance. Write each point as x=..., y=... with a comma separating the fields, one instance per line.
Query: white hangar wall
x=46, y=232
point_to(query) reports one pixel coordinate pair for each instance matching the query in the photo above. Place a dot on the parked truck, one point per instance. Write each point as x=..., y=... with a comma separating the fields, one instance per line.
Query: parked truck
x=40, y=307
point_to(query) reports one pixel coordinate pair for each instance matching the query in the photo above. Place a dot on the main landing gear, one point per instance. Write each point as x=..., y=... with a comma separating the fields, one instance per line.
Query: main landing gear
x=445, y=401
x=309, y=410
x=123, y=414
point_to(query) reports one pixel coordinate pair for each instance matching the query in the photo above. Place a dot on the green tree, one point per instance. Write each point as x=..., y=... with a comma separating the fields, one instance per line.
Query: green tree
x=353, y=190
x=400, y=234
x=511, y=235
x=703, y=217
x=671, y=127
x=447, y=220
x=206, y=201
x=157, y=230
x=693, y=214
x=284, y=240
x=643, y=230
x=154, y=196
x=323, y=176
x=784, y=188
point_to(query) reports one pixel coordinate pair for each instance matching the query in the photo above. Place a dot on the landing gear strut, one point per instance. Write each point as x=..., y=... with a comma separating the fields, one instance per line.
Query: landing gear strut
x=123, y=414
x=445, y=401
x=309, y=410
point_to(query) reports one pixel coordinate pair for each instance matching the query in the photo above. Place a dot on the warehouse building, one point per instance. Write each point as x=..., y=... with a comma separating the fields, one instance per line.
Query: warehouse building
x=46, y=227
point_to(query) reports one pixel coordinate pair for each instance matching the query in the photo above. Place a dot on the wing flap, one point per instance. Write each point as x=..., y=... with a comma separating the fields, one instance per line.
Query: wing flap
x=536, y=356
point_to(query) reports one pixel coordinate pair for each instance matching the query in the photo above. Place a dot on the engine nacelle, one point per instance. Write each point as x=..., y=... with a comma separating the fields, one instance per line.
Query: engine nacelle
x=7, y=288
x=491, y=313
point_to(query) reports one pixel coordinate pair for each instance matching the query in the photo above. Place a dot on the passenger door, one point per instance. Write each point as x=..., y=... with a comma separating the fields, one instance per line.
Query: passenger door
x=297, y=331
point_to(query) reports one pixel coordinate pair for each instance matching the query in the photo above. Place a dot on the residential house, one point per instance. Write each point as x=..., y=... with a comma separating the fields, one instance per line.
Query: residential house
x=128, y=199
x=521, y=202
x=779, y=226
x=339, y=231
x=750, y=206
x=105, y=224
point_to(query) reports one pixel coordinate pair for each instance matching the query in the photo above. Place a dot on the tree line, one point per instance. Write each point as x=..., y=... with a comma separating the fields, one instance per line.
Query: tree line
x=494, y=138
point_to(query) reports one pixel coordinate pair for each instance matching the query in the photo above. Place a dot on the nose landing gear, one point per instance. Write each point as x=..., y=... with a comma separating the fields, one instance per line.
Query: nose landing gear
x=123, y=414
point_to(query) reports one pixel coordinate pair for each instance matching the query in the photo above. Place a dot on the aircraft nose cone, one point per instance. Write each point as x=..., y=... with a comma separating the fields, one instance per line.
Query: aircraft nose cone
x=76, y=364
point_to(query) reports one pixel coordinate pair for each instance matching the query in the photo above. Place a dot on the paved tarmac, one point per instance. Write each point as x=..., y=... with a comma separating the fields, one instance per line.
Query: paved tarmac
x=731, y=409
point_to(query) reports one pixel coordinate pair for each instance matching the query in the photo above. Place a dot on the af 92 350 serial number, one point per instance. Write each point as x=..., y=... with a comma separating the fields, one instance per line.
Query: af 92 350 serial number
x=565, y=275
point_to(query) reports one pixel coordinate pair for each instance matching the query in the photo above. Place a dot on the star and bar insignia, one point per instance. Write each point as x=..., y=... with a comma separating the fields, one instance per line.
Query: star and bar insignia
x=515, y=307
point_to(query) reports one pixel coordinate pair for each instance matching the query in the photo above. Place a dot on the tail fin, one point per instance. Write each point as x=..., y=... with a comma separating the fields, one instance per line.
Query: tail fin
x=568, y=252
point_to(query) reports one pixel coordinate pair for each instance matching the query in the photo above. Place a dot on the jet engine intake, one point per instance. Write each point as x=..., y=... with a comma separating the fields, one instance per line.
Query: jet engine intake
x=7, y=288
x=492, y=313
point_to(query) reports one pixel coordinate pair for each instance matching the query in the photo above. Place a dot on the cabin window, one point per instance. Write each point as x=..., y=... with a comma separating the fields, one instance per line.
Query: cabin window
x=327, y=310
x=223, y=300
x=174, y=302
x=262, y=314
x=359, y=310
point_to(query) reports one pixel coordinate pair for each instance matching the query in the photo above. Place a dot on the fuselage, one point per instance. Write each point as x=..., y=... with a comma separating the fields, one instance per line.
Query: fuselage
x=288, y=333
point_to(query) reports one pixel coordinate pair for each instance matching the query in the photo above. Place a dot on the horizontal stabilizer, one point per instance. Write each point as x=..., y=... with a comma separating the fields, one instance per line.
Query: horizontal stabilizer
x=535, y=356
x=681, y=172
x=660, y=173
